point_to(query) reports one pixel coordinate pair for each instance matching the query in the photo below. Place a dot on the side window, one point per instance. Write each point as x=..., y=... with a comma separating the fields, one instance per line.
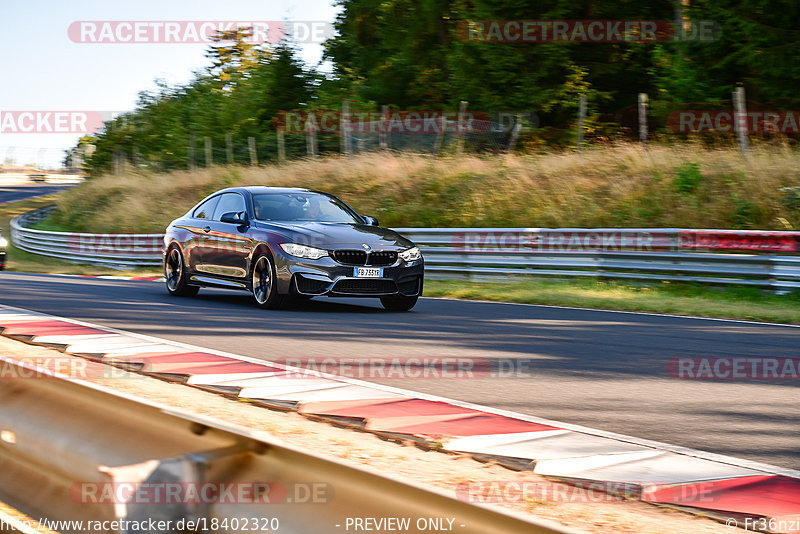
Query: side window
x=206, y=209
x=229, y=202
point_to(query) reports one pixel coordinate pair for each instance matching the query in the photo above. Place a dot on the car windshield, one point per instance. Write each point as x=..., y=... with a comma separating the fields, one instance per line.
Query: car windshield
x=302, y=207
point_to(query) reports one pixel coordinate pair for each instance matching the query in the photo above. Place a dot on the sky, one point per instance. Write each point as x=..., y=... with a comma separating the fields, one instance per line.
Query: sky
x=47, y=69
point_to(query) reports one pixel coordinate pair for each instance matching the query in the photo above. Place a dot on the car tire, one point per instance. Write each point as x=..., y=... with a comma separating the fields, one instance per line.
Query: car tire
x=401, y=303
x=175, y=275
x=263, y=286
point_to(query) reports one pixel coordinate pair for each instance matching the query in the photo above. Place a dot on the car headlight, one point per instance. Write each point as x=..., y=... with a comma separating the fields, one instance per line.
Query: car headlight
x=302, y=251
x=410, y=254
x=3, y=242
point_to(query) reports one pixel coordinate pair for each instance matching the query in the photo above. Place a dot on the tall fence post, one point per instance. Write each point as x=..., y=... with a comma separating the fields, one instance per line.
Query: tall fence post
x=311, y=140
x=581, y=119
x=190, y=155
x=116, y=162
x=439, y=141
x=462, y=111
x=383, y=137
x=514, y=135
x=740, y=119
x=209, y=156
x=643, y=118
x=229, y=148
x=344, y=128
x=281, y=146
x=251, y=145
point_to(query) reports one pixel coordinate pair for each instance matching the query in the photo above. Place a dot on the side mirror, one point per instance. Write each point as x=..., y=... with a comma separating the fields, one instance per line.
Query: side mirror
x=237, y=218
x=372, y=221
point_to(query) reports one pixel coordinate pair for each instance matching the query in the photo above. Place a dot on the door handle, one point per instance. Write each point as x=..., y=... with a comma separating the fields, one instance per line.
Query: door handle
x=207, y=229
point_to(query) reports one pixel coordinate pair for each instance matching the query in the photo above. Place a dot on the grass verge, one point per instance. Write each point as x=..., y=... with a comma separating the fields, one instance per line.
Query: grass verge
x=743, y=303
x=620, y=186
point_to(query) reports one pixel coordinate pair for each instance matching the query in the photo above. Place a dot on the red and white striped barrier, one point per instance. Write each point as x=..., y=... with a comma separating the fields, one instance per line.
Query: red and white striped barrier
x=722, y=487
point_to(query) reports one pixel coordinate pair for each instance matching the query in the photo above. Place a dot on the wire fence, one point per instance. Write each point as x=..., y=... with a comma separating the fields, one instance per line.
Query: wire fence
x=486, y=137
x=320, y=132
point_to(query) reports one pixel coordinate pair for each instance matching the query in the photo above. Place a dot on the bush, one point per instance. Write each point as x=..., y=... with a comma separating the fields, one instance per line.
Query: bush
x=791, y=199
x=687, y=177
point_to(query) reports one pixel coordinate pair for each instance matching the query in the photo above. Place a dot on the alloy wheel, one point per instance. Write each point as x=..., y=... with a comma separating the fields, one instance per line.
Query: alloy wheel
x=174, y=269
x=262, y=280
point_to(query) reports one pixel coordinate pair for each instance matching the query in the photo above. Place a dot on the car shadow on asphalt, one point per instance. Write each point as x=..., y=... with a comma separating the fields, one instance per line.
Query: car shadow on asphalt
x=318, y=305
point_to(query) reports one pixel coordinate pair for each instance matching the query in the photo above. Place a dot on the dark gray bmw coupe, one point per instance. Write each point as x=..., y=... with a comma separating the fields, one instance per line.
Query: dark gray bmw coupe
x=283, y=243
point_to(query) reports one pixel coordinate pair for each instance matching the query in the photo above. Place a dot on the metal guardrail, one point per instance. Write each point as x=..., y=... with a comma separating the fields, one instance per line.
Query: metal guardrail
x=482, y=254
x=501, y=254
x=114, y=250
x=75, y=451
x=13, y=179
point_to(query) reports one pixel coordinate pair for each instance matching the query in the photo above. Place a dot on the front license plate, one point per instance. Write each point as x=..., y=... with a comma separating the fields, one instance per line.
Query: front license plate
x=369, y=272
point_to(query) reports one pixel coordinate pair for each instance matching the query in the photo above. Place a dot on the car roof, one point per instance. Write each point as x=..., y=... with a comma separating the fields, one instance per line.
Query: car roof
x=253, y=189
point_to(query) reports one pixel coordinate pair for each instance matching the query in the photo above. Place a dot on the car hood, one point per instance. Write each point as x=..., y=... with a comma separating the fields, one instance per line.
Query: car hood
x=337, y=235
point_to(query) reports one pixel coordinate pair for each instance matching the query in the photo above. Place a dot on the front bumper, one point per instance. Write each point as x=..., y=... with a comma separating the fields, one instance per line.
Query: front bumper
x=327, y=277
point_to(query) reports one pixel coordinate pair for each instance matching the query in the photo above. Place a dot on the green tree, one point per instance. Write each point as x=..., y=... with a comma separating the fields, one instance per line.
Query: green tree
x=232, y=55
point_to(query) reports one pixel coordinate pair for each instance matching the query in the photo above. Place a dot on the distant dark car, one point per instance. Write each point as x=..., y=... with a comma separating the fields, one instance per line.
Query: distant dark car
x=285, y=243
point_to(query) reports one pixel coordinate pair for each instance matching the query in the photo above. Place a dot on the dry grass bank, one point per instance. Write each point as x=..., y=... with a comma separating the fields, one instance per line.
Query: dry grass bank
x=616, y=186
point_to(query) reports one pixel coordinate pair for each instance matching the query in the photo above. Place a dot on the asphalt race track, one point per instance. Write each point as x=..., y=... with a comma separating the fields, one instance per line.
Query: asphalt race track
x=20, y=192
x=600, y=369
